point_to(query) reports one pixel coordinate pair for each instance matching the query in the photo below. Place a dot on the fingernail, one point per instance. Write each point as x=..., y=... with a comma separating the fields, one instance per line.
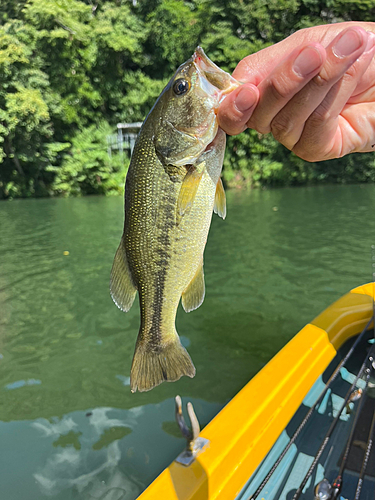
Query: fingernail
x=370, y=41
x=307, y=61
x=245, y=99
x=348, y=43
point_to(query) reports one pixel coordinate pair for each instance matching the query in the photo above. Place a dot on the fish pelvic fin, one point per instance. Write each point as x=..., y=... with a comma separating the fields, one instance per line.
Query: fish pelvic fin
x=151, y=367
x=121, y=285
x=220, y=206
x=193, y=296
x=189, y=188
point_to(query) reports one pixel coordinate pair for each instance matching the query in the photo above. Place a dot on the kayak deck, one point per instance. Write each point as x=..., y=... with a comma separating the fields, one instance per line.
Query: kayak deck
x=295, y=464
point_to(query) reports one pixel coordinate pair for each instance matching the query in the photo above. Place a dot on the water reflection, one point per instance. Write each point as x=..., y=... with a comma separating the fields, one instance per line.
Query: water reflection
x=22, y=383
x=101, y=453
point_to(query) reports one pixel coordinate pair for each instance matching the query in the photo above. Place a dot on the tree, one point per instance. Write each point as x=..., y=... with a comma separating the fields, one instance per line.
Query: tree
x=71, y=69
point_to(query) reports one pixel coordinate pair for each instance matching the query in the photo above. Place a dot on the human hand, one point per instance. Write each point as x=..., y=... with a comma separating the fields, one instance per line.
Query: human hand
x=317, y=99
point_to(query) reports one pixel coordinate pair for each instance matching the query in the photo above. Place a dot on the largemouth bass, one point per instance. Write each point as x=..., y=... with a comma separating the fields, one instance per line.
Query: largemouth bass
x=172, y=187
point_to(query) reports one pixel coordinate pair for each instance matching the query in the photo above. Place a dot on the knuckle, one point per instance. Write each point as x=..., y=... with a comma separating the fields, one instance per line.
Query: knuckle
x=328, y=77
x=279, y=89
x=243, y=65
x=320, y=116
x=321, y=80
x=351, y=73
x=306, y=153
x=281, y=127
x=323, y=114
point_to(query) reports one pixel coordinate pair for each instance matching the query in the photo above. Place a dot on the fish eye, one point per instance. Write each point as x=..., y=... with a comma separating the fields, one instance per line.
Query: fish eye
x=181, y=86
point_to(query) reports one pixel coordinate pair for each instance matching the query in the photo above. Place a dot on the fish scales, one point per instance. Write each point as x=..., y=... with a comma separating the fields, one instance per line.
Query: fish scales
x=161, y=243
x=170, y=193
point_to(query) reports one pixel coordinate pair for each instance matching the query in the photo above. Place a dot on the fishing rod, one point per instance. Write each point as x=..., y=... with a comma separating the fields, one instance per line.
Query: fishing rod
x=338, y=482
x=311, y=411
x=334, y=423
x=365, y=459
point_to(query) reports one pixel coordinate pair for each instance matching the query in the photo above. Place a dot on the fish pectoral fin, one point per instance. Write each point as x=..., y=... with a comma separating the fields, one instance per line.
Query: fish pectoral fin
x=152, y=366
x=121, y=286
x=220, y=205
x=188, y=190
x=193, y=296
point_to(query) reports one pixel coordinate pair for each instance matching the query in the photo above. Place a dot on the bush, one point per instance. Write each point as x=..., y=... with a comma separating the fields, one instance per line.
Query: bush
x=88, y=168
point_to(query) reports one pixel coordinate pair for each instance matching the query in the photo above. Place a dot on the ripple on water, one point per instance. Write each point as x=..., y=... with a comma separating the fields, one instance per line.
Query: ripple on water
x=65, y=347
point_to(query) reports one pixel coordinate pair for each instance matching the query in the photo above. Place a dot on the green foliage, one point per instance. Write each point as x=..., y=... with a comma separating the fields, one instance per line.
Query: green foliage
x=27, y=105
x=88, y=168
x=71, y=69
x=355, y=168
x=173, y=30
x=254, y=160
x=141, y=95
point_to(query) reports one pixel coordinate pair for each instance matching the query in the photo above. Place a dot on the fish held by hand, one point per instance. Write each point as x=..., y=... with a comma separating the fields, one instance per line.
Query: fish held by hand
x=172, y=187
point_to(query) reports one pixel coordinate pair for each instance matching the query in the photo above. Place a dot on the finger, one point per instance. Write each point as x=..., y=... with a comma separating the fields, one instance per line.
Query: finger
x=235, y=110
x=289, y=76
x=365, y=83
x=325, y=134
x=256, y=67
x=288, y=125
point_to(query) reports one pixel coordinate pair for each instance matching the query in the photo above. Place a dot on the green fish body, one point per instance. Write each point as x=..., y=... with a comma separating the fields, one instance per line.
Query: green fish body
x=172, y=187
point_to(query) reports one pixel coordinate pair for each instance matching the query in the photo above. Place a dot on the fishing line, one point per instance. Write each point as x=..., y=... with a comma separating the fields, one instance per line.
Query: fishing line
x=310, y=412
x=333, y=425
x=338, y=482
x=365, y=459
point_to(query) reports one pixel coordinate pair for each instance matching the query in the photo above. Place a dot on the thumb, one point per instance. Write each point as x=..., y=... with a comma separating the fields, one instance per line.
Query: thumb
x=236, y=109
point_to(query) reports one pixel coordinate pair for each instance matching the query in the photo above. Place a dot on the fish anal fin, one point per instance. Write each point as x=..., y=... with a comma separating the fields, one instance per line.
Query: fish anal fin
x=121, y=286
x=220, y=205
x=151, y=367
x=193, y=296
x=189, y=188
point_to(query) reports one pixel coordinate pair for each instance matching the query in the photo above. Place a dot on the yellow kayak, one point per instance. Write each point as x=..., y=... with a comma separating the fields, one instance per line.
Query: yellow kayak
x=247, y=438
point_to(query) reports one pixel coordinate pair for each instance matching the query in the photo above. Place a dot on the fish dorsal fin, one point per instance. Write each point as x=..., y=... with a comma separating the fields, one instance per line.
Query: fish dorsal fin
x=220, y=205
x=193, y=296
x=121, y=285
x=189, y=188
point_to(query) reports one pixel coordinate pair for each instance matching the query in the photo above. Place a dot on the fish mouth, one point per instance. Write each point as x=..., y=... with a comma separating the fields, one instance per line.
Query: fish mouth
x=221, y=81
x=211, y=84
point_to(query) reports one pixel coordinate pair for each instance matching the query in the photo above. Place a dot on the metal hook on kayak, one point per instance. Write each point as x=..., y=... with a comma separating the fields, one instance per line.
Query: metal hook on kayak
x=195, y=444
x=189, y=435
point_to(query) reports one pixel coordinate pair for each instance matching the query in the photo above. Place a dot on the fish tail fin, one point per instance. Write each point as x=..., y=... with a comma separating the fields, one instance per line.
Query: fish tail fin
x=151, y=367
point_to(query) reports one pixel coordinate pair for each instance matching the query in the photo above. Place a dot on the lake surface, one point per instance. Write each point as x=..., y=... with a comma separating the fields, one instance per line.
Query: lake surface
x=69, y=426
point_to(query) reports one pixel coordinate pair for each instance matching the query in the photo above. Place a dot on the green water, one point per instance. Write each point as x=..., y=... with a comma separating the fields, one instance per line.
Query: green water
x=69, y=426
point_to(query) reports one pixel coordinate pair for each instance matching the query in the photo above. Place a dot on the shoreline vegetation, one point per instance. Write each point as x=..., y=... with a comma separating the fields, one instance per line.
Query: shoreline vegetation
x=70, y=70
